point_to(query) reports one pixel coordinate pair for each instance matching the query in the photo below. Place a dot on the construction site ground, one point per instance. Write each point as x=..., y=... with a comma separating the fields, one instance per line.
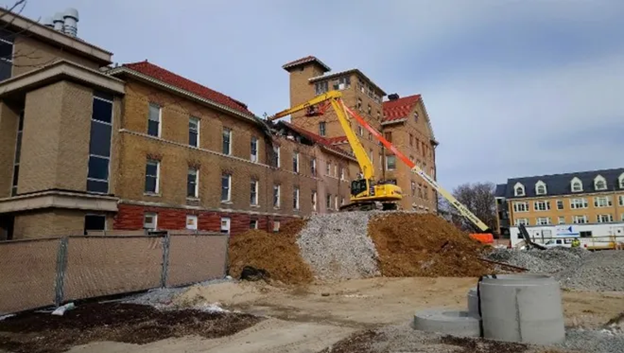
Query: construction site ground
x=285, y=319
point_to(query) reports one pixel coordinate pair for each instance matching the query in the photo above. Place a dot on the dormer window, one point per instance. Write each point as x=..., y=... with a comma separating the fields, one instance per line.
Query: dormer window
x=519, y=190
x=600, y=183
x=577, y=185
x=540, y=188
x=621, y=181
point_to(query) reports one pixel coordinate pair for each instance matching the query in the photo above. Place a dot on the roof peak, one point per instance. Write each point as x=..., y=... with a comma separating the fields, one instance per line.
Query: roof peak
x=306, y=60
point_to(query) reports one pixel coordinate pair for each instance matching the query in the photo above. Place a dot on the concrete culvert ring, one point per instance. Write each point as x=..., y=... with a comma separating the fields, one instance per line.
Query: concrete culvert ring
x=452, y=322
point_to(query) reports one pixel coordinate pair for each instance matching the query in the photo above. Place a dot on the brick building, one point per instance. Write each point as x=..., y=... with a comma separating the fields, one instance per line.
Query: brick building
x=403, y=121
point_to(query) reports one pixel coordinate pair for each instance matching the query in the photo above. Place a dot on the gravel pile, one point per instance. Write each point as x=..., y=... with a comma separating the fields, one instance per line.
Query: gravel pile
x=593, y=341
x=575, y=268
x=599, y=271
x=337, y=247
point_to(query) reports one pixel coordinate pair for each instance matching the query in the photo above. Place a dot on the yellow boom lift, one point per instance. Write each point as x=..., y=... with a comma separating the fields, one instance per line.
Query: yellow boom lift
x=366, y=191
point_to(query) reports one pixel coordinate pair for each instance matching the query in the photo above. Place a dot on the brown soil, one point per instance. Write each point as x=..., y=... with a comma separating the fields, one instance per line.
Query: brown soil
x=424, y=245
x=277, y=253
x=130, y=323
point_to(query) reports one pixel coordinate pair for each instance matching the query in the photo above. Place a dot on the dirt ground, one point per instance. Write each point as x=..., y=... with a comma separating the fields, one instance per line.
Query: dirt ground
x=312, y=318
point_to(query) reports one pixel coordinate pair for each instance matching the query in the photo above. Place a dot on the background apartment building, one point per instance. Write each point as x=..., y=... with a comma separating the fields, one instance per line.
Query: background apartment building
x=90, y=147
x=403, y=121
x=572, y=198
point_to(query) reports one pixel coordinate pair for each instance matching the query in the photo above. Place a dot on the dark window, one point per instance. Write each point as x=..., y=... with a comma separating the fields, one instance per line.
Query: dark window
x=322, y=128
x=194, y=132
x=6, y=68
x=100, y=143
x=225, y=187
x=253, y=224
x=313, y=166
x=97, y=186
x=100, y=139
x=227, y=139
x=98, y=168
x=151, y=176
x=94, y=222
x=18, y=147
x=102, y=110
x=191, y=183
x=586, y=234
x=358, y=186
x=153, y=121
x=254, y=149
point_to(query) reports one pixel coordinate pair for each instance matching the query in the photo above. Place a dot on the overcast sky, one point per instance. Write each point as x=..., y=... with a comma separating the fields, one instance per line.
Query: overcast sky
x=513, y=88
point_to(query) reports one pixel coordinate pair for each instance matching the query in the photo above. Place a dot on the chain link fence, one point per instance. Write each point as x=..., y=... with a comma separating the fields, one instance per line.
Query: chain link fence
x=42, y=272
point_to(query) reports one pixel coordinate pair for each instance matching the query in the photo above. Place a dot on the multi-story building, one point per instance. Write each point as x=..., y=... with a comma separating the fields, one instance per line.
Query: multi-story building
x=573, y=198
x=403, y=121
x=88, y=147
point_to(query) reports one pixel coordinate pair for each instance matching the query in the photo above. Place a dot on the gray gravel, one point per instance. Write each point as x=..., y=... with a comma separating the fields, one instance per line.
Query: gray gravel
x=337, y=246
x=592, y=341
x=160, y=297
x=542, y=261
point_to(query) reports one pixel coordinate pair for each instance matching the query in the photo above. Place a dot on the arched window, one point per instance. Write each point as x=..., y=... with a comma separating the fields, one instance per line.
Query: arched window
x=540, y=188
x=519, y=190
x=577, y=185
x=600, y=183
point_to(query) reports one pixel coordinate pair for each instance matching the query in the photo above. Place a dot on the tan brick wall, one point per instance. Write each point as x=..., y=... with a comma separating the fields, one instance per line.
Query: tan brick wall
x=616, y=210
x=8, y=131
x=175, y=155
x=48, y=223
x=56, y=136
x=31, y=54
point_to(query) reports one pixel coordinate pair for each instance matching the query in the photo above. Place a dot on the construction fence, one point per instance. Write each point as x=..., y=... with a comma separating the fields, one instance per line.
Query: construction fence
x=41, y=272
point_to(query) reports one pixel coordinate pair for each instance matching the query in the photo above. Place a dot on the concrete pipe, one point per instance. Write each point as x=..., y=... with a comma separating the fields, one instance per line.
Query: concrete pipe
x=522, y=308
x=473, y=303
x=456, y=323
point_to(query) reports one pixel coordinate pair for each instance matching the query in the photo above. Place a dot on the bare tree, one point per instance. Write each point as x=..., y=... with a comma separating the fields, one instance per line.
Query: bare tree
x=478, y=198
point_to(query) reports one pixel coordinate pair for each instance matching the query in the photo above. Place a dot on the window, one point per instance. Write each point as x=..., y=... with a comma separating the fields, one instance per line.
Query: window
x=378, y=115
x=521, y=206
x=559, y=205
x=253, y=224
x=543, y=221
x=336, y=202
x=542, y=205
x=519, y=189
x=225, y=224
x=370, y=154
x=192, y=185
x=150, y=221
x=388, y=136
x=391, y=162
x=276, y=156
x=276, y=196
x=602, y=201
x=227, y=141
x=321, y=87
x=152, y=172
x=18, y=148
x=253, y=198
x=621, y=197
x=413, y=188
x=578, y=203
x=191, y=222
x=411, y=140
x=370, y=110
x=322, y=128
x=604, y=218
x=296, y=162
x=342, y=83
x=276, y=226
x=314, y=200
x=577, y=185
x=194, y=132
x=313, y=166
x=336, y=170
x=153, y=120
x=254, y=149
x=522, y=221
x=426, y=192
x=94, y=222
x=99, y=144
x=621, y=181
x=359, y=104
x=342, y=173
x=416, y=116
x=328, y=169
x=296, y=198
x=360, y=131
x=328, y=202
x=6, y=55
x=540, y=188
x=585, y=234
x=600, y=183
x=342, y=201
x=561, y=220
x=370, y=136
x=579, y=219
x=226, y=187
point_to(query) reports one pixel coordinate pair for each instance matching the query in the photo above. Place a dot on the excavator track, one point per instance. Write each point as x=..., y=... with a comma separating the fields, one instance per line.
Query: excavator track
x=368, y=206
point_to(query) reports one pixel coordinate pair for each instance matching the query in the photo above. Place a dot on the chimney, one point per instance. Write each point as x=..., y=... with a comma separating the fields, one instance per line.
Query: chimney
x=70, y=26
x=58, y=21
x=47, y=21
x=393, y=96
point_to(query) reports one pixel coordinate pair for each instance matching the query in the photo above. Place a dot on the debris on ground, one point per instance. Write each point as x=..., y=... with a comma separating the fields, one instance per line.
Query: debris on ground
x=275, y=253
x=424, y=245
x=575, y=268
x=130, y=323
x=337, y=246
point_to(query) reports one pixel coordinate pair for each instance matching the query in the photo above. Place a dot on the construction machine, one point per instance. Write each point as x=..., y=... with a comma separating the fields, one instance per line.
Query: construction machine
x=366, y=191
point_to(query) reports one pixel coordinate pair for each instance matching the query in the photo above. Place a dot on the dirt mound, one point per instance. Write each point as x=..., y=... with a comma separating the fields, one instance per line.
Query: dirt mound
x=276, y=253
x=424, y=245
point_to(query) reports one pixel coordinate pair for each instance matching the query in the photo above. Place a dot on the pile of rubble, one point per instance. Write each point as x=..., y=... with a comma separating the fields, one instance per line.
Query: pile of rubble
x=575, y=268
x=351, y=245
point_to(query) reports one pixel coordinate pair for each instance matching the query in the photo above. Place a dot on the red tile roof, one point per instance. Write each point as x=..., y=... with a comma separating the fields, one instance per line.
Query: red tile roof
x=305, y=60
x=316, y=138
x=337, y=139
x=166, y=76
x=400, y=108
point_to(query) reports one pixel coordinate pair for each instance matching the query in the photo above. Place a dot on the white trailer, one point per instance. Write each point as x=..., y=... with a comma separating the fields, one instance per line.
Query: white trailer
x=592, y=235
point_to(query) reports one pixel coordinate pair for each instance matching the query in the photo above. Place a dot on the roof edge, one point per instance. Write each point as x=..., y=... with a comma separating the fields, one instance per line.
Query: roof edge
x=306, y=60
x=349, y=71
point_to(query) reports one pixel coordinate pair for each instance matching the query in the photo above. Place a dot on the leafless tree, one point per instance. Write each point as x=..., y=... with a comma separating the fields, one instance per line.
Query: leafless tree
x=478, y=198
